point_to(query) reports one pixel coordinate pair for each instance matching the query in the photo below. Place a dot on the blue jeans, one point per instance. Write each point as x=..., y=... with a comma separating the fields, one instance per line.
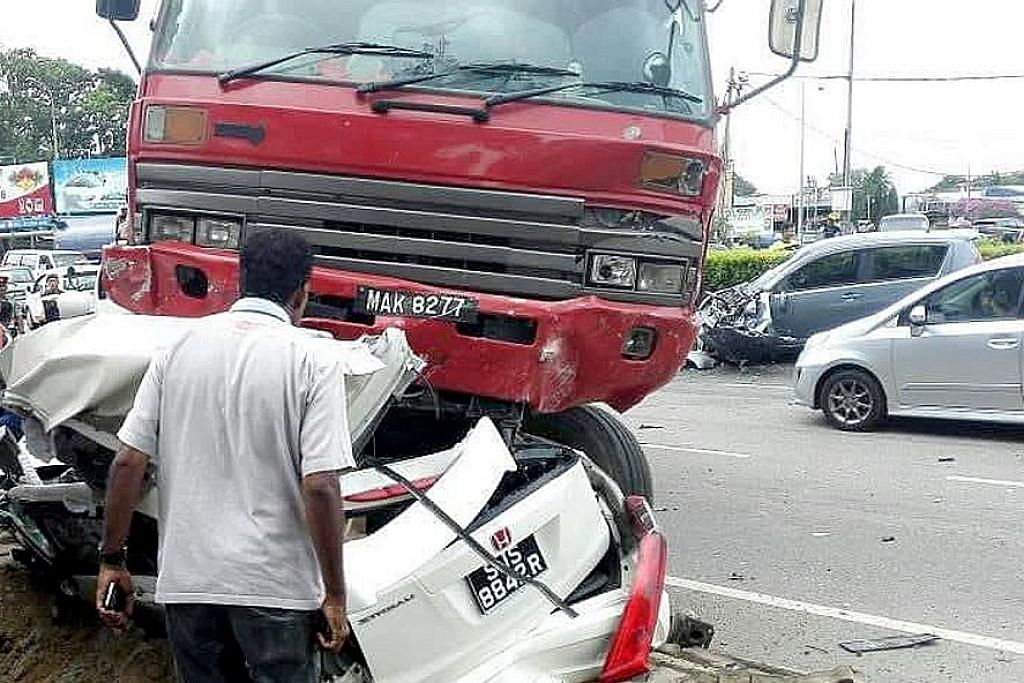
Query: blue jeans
x=225, y=644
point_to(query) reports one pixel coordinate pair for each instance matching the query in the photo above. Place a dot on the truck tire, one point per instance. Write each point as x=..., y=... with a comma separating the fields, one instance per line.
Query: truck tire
x=605, y=439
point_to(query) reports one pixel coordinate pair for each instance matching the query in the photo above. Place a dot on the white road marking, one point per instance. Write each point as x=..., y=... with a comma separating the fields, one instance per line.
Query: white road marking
x=756, y=385
x=994, y=482
x=697, y=451
x=849, y=615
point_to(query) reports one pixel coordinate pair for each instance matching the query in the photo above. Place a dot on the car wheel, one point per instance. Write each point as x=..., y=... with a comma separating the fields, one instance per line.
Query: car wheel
x=605, y=439
x=853, y=400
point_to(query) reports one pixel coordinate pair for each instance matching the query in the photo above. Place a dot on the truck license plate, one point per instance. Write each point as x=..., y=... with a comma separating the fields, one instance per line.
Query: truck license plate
x=391, y=302
x=490, y=587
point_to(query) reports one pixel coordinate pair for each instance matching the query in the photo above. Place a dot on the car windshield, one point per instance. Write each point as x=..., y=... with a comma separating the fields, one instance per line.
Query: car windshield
x=17, y=276
x=64, y=260
x=82, y=282
x=657, y=41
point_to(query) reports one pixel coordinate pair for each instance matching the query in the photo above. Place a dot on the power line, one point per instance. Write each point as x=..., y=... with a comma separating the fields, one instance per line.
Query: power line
x=831, y=138
x=900, y=79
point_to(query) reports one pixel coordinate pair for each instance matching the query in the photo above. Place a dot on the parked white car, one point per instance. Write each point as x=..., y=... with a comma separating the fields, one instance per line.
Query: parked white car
x=75, y=295
x=953, y=349
x=40, y=261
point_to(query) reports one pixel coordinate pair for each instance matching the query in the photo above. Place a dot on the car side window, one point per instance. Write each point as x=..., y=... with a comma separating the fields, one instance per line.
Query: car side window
x=907, y=262
x=829, y=271
x=994, y=295
x=47, y=262
x=30, y=261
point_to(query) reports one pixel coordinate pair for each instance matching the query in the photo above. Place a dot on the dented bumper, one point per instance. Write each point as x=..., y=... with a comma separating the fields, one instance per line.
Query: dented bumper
x=551, y=355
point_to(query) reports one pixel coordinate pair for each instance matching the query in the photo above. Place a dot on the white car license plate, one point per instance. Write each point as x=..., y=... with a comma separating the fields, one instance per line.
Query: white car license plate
x=490, y=587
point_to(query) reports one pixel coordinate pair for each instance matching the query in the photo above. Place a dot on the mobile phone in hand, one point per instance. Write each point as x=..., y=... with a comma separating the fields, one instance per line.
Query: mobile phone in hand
x=114, y=599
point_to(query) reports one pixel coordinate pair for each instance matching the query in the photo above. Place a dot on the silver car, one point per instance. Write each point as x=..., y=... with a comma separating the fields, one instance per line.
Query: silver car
x=953, y=349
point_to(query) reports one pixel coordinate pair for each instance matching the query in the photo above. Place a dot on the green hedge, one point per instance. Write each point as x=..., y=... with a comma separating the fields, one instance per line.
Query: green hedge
x=725, y=268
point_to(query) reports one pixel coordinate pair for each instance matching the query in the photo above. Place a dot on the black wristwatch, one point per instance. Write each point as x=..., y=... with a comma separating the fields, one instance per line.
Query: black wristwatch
x=118, y=558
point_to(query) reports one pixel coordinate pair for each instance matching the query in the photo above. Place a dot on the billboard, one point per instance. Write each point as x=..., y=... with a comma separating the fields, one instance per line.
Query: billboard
x=25, y=191
x=86, y=186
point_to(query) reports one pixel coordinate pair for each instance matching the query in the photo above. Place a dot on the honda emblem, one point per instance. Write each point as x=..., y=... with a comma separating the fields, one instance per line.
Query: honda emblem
x=501, y=539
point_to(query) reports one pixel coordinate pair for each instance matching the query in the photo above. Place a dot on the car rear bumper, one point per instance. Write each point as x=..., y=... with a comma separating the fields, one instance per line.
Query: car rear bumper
x=552, y=355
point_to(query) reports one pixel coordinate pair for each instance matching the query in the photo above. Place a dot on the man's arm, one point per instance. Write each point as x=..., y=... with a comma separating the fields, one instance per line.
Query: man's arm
x=124, y=488
x=321, y=494
x=326, y=450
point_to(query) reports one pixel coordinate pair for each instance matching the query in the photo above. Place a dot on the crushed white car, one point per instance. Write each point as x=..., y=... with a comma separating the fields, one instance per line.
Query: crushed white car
x=523, y=554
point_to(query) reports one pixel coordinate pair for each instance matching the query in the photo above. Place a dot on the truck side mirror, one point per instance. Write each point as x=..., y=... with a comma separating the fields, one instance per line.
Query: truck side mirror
x=118, y=10
x=794, y=28
x=785, y=23
x=918, y=318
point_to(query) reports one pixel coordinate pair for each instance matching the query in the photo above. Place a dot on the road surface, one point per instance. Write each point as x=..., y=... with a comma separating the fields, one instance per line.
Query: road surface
x=792, y=537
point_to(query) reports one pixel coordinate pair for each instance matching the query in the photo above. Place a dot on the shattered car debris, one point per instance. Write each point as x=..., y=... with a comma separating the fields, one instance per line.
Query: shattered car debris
x=736, y=327
x=528, y=557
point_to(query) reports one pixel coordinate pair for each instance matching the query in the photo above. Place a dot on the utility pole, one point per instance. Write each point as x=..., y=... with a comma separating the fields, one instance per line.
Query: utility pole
x=848, y=137
x=735, y=87
x=803, y=139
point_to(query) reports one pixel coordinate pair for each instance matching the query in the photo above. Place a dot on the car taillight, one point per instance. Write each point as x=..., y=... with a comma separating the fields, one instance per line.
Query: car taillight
x=629, y=655
x=388, y=492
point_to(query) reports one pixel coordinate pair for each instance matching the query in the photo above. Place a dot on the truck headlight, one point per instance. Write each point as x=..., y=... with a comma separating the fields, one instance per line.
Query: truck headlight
x=611, y=270
x=219, y=233
x=164, y=227
x=661, y=278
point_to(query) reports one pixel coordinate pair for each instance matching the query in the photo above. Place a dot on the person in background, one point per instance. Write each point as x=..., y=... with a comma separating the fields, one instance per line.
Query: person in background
x=51, y=286
x=245, y=422
x=8, y=329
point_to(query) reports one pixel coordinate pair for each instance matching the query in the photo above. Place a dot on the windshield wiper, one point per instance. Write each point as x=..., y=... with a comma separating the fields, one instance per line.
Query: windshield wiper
x=378, y=49
x=600, y=87
x=496, y=68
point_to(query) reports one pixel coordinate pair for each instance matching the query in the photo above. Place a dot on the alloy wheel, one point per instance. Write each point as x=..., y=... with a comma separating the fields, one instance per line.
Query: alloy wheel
x=850, y=401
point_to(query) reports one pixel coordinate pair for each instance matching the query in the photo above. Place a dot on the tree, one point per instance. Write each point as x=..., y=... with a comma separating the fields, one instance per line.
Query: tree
x=743, y=187
x=90, y=108
x=874, y=195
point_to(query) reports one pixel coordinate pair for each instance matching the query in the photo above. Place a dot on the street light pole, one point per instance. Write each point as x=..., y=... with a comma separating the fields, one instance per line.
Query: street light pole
x=803, y=139
x=848, y=137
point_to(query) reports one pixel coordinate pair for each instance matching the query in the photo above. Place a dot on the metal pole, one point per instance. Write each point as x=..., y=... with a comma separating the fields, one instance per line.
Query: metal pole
x=803, y=136
x=848, y=137
x=53, y=126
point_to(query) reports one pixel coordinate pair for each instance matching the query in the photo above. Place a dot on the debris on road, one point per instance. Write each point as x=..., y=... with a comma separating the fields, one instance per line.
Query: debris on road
x=701, y=360
x=691, y=632
x=947, y=459
x=889, y=539
x=676, y=665
x=891, y=643
x=646, y=426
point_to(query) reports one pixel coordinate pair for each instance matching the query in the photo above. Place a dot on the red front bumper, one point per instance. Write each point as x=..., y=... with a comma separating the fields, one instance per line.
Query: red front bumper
x=575, y=358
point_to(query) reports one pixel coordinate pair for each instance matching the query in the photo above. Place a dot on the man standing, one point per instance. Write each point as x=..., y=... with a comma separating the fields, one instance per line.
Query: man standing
x=247, y=430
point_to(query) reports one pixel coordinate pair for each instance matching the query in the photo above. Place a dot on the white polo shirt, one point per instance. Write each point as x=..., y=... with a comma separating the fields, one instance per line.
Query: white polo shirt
x=233, y=416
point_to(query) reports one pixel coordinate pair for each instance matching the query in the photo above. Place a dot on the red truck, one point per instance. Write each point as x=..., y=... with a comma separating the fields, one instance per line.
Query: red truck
x=524, y=186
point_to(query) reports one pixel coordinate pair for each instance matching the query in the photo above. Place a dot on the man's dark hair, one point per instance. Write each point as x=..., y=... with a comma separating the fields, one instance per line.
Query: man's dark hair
x=275, y=264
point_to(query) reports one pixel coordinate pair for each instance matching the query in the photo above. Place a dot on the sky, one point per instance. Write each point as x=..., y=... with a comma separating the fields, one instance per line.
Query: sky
x=917, y=130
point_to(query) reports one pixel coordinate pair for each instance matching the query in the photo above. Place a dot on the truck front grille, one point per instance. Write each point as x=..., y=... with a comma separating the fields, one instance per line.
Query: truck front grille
x=481, y=240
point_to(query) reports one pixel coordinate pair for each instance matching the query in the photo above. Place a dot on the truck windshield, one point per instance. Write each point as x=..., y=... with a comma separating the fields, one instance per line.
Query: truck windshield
x=657, y=41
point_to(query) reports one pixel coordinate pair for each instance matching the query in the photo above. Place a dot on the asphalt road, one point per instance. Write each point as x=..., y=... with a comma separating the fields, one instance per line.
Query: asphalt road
x=791, y=537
